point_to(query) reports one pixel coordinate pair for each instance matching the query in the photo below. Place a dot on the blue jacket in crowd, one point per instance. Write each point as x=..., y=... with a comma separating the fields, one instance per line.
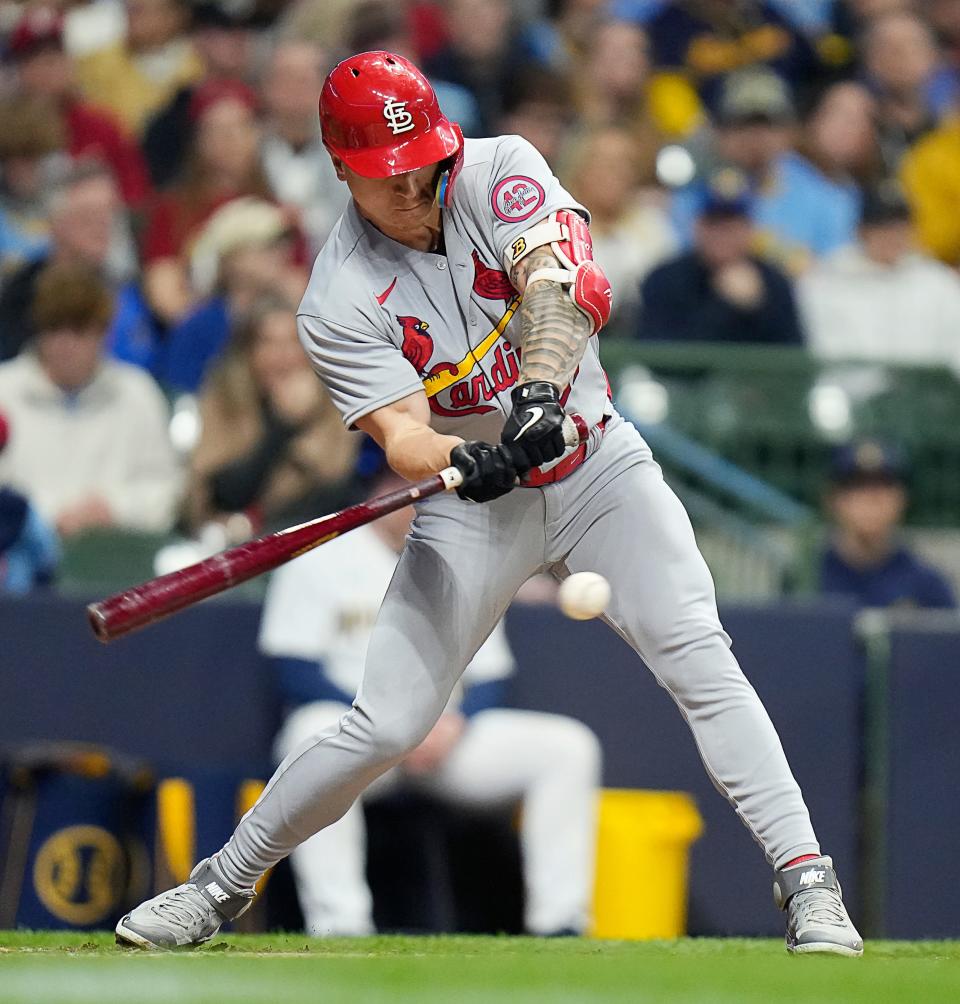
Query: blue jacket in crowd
x=901, y=580
x=681, y=305
x=29, y=550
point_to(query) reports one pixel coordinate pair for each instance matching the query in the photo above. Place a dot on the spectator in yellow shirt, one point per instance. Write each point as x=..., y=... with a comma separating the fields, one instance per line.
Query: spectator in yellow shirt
x=931, y=175
x=136, y=77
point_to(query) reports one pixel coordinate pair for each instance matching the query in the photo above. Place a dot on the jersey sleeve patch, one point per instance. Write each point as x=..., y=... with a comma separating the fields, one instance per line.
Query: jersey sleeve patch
x=517, y=198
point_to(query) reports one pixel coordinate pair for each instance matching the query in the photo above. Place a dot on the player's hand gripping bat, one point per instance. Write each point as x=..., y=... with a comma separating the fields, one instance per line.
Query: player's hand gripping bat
x=158, y=598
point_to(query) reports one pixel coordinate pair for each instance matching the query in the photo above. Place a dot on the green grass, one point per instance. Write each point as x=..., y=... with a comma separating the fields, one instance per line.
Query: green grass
x=82, y=968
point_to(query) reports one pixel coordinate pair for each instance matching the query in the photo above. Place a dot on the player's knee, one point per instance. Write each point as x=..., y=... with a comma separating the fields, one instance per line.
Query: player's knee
x=699, y=668
x=394, y=740
x=308, y=723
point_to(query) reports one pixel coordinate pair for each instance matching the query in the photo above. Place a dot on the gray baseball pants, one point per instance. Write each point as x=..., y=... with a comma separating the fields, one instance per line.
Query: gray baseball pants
x=460, y=569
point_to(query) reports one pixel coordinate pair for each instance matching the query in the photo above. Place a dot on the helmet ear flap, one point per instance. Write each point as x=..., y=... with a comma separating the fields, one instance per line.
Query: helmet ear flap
x=449, y=169
x=443, y=188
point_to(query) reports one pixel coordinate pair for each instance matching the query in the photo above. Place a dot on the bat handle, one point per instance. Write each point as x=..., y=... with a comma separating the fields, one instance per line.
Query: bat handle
x=575, y=432
x=452, y=478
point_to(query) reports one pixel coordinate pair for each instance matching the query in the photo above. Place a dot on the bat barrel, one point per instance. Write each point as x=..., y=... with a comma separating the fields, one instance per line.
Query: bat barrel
x=134, y=608
x=151, y=601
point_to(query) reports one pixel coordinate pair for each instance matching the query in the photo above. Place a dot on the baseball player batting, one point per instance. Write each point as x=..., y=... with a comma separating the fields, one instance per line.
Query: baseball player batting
x=452, y=315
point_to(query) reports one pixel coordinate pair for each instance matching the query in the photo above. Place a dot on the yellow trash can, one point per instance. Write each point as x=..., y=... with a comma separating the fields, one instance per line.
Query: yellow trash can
x=643, y=845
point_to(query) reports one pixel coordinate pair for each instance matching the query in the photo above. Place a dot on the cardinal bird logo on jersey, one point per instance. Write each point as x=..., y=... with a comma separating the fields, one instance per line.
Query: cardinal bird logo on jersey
x=417, y=347
x=490, y=283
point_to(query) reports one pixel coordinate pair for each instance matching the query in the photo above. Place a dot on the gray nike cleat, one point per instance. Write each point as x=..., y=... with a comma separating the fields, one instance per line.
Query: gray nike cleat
x=817, y=920
x=188, y=915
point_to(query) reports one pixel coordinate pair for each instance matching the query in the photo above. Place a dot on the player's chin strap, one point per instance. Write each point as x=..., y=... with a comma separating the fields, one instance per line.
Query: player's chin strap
x=569, y=239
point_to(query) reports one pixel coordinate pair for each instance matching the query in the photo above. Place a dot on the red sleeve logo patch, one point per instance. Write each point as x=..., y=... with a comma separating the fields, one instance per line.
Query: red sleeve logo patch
x=517, y=198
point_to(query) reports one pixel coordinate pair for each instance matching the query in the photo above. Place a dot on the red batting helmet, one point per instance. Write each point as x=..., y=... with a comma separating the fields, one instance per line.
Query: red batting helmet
x=380, y=116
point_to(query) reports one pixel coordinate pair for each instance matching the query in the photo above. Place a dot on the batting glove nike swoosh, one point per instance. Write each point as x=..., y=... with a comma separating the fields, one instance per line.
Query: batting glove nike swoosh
x=534, y=430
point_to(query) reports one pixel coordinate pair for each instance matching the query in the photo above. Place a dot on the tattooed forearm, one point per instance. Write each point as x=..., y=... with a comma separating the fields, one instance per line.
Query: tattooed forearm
x=553, y=333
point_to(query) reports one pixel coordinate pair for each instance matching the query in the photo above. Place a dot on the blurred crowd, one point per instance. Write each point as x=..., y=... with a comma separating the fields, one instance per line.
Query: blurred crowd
x=766, y=171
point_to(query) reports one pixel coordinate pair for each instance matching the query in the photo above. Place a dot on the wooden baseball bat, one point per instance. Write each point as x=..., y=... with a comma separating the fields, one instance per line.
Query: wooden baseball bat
x=158, y=598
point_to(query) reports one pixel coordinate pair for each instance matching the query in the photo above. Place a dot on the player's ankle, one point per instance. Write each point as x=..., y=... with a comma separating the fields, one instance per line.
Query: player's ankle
x=799, y=860
x=217, y=865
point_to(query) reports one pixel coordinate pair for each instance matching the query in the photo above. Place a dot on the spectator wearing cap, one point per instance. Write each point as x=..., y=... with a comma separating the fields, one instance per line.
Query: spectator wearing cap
x=710, y=39
x=900, y=58
x=799, y=213
x=245, y=251
x=46, y=72
x=931, y=176
x=881, y=299
x=629, y=226
x=867, y=559
x=223, y=36
x=136, y=77
x=224, y=163
x=720, y=291
x=86, y=227
x=32, y=154
x=88, y=440
x=300, y=173
x=29, y=549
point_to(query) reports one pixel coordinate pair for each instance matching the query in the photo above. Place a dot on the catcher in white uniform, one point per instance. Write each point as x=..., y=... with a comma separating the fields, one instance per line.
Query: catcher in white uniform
x=453, y=315
x=319, y=613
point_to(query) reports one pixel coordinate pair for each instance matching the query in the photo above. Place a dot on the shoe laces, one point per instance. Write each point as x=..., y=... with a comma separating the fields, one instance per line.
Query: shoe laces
x=184, y=907
x=819, y=906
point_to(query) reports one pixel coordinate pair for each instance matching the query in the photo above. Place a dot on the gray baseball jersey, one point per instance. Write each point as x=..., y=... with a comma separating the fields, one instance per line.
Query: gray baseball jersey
x=381, y=321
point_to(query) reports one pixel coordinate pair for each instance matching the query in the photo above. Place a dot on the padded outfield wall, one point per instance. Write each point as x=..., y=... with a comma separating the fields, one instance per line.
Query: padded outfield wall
x=192, y=694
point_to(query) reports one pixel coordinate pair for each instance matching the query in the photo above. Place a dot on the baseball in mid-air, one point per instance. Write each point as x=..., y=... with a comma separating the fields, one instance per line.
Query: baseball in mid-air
x=584, y=595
